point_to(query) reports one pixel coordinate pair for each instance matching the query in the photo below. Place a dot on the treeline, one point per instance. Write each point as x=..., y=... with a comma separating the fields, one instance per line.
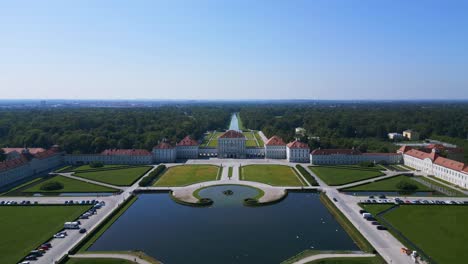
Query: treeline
x=364, y=126
x=91, y=130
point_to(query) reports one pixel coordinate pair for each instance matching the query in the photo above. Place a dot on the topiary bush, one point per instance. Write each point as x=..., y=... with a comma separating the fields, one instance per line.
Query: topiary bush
x=96, y=164
x=148, y=180
x=52, y=186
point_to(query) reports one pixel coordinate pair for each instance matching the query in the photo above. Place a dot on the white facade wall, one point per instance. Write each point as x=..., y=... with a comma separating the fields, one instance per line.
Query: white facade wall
x=427, y=166
x=255, y=152
x=353, y=159
x=187, y=152
x=275, y=152
x=109, y=159
x=297, y=154
x=231, y=148
x=164, y=155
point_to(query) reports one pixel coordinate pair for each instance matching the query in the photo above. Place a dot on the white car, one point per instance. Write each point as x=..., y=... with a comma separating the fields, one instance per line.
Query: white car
x=24, y=262
x=59, y=236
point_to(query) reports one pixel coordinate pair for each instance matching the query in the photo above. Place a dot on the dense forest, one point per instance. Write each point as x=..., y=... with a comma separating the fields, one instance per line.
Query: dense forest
x=90, y=130
x=329, y=125
x=364, y=126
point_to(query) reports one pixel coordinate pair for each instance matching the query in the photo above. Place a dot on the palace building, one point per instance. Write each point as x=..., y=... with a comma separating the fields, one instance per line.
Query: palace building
x=297, y=151
x=231, y=144
x=275, y=148
x=432, y=163
x=351, y=156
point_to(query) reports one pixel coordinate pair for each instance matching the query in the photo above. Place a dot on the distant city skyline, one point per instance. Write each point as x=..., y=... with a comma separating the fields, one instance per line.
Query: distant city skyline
x=237, y=50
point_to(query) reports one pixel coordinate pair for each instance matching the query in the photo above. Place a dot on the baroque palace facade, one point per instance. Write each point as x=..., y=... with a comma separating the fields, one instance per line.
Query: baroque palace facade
x=24, y=163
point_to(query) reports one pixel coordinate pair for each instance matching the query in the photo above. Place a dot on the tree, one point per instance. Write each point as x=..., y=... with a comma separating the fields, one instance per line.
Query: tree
x=2, y=155
x=51, y=186
x=406, y=185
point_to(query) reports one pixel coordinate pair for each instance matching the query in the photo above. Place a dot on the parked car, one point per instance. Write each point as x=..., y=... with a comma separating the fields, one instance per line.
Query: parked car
x=381, y=227
x=82, y=230
x=334, y=199
x=30, y=257
x=382, y=196
x=25, y=262
x=59, y=236
x=362, y=211
x=375, y=223
x=49, y=244
x=371, y=197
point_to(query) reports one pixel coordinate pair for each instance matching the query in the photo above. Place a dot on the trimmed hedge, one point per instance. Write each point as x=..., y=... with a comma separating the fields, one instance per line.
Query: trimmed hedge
x=148, y=180
x=307, y=175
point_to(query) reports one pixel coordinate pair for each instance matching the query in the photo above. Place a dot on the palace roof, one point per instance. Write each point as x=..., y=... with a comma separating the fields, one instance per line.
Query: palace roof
x=296, y=144
x=441, y=161
x=164, y=145
x=13, y=163
x=275, y=141
x=45, y=154
x=20, y=150
x=232, y=134
x=127, y=152
x=187, y=141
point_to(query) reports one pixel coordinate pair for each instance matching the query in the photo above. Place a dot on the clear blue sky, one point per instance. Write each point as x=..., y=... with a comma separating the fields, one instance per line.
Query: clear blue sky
x=343, y=49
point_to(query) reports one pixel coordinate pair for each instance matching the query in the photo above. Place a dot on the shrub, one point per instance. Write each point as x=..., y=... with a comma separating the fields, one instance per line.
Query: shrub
x=406, y=185
x=96, y=164
x=146, y=181
x=52, y=186
x=366, y=164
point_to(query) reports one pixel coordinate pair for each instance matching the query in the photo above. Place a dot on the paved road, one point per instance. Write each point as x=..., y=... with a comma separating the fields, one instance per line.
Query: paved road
x=113, y=256
x=325, y=256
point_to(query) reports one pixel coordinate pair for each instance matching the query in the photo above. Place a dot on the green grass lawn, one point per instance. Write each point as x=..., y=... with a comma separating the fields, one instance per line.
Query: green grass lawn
x=105, y=167
x=213, y=143
x=119, y=177
x=70, y=186
x=389, y=185
x=230, y=172
x=356, y=260
x=98, y=261
x=276, y=175
x=440, y=231
x=335, y=175
x=259, y=139
x=24, y=228
x=184, y=175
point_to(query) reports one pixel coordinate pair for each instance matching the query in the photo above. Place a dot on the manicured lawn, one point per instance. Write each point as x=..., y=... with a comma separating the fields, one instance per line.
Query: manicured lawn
x=119, y=177
x=70, y=185
x=276, y=175
x=335, y=175
x=105, y=167
x=357, y=260
x=251, y=143
x=214, y=141
x=24, y=228
x=440, y=231
x=184, y=175
x=230, y=172
x=98, y=261
x=259, y=139
x=389, y=185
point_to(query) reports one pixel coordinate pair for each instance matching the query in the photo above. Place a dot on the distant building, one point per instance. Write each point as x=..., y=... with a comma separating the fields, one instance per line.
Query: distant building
x=275, y=148
x=14, y=153
x=113, y=156
x=164, y=152
x=394, y=136
x=187, y=148
x=231, y=144
x=351, y=156
x=433, y=164
x=297, y=151
x=411, y=134
x=300, y=131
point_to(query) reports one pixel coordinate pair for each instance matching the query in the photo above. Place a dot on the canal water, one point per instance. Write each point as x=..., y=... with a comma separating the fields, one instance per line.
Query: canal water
x=234, y=125
x=228, y=231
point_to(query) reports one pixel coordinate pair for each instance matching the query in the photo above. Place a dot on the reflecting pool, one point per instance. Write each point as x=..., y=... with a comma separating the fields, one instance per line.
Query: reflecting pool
x=228, y=231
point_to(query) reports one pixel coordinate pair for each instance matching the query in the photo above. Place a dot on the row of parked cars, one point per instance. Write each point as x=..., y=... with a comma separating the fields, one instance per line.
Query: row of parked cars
x=17, y=203
x=37, y=253
x=371, y=219
x=383, y=199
